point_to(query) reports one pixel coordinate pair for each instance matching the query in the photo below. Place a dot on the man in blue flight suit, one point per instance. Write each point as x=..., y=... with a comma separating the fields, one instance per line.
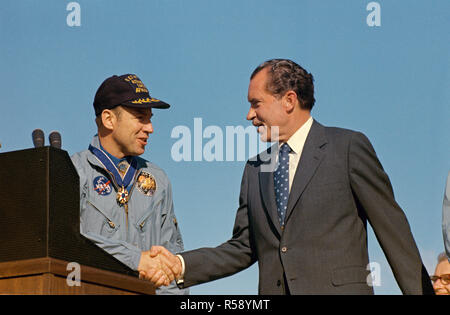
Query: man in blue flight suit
x=126, y=201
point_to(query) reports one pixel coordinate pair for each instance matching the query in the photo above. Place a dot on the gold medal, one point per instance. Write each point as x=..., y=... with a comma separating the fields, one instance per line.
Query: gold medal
x=122, y=196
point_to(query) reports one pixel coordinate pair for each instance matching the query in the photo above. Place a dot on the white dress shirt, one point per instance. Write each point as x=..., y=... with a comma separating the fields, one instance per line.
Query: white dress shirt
x=297, y=142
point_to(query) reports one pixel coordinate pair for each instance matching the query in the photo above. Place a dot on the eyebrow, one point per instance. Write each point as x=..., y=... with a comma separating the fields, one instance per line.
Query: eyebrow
x=138, y=111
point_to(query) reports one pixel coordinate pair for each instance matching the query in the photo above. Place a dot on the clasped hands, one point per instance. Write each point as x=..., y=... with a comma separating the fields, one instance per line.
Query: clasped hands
x=159, y=266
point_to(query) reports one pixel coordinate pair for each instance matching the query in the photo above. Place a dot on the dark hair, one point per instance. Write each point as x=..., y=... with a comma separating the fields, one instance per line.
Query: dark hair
x=285, y=75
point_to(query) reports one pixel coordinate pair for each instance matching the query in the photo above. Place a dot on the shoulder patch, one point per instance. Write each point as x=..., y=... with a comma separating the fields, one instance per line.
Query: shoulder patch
x=102, y=185
x=146, y=183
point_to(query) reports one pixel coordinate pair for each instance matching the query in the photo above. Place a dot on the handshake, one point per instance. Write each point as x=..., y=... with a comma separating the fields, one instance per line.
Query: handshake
x=159, y=266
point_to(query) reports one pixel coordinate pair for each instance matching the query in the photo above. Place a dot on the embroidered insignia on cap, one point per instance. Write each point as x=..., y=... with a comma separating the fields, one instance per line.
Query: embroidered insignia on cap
x=146, y=184
x=136, y=83
x=145, y=100
x=102, y=185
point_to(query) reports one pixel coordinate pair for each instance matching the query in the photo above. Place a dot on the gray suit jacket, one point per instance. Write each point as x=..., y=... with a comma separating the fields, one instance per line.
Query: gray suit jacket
x=339, y=185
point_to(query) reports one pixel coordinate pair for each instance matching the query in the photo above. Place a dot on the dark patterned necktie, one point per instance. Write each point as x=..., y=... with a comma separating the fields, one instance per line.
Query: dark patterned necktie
x=281, y=182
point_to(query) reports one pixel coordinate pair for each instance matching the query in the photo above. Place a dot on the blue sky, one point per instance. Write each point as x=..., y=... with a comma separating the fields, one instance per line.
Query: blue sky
x=389, y=81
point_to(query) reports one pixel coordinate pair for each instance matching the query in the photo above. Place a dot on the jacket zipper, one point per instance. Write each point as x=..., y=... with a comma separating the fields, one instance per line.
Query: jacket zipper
x=145, y=218
x=111, y=223
x=129, y=196
x=125, y=207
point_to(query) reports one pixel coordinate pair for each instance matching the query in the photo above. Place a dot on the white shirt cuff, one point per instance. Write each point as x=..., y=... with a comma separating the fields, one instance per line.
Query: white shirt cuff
x=180, y=279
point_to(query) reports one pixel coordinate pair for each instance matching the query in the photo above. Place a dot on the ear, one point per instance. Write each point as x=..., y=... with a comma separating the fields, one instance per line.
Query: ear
x=108, y=119
x=290, y=100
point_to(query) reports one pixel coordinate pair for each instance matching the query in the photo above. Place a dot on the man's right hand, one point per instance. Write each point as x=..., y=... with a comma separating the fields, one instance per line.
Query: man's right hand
x=164, y=266
x=154, y=270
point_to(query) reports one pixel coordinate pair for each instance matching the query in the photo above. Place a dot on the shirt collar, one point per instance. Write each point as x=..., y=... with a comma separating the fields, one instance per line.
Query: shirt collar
x=298, y=139
x=96, y=143
x=114, y=159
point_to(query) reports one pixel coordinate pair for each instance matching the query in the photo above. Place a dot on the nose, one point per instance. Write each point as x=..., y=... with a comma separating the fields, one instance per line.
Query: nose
x=148, y=127
x=251, y=114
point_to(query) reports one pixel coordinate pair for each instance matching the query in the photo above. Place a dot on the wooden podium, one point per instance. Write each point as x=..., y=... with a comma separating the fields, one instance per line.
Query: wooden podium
x=49, y=276
x=40, y=232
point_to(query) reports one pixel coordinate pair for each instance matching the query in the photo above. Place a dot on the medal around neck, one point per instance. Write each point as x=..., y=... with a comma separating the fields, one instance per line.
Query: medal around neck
x=122, y=196
x=119, y=181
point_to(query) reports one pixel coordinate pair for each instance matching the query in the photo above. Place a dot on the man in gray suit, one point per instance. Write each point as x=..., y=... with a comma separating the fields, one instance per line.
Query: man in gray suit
x=305, y=223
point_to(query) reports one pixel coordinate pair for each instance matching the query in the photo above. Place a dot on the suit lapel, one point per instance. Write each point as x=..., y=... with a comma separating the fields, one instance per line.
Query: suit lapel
x=312, y=155
x=267, y=187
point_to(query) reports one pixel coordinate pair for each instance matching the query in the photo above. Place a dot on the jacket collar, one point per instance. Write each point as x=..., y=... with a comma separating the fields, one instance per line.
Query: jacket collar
x=91, y=157
x=94, y=161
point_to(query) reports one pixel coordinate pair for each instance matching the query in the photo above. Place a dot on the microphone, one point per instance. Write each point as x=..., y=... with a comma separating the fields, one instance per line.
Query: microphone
x=55, y=139
x=38, y=138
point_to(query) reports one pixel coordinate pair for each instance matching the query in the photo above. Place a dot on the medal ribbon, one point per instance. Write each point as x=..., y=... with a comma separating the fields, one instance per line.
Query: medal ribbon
x=109, y=165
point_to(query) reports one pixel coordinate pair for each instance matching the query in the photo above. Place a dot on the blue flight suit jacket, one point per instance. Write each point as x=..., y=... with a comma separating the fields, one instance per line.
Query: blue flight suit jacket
x=150, y=219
